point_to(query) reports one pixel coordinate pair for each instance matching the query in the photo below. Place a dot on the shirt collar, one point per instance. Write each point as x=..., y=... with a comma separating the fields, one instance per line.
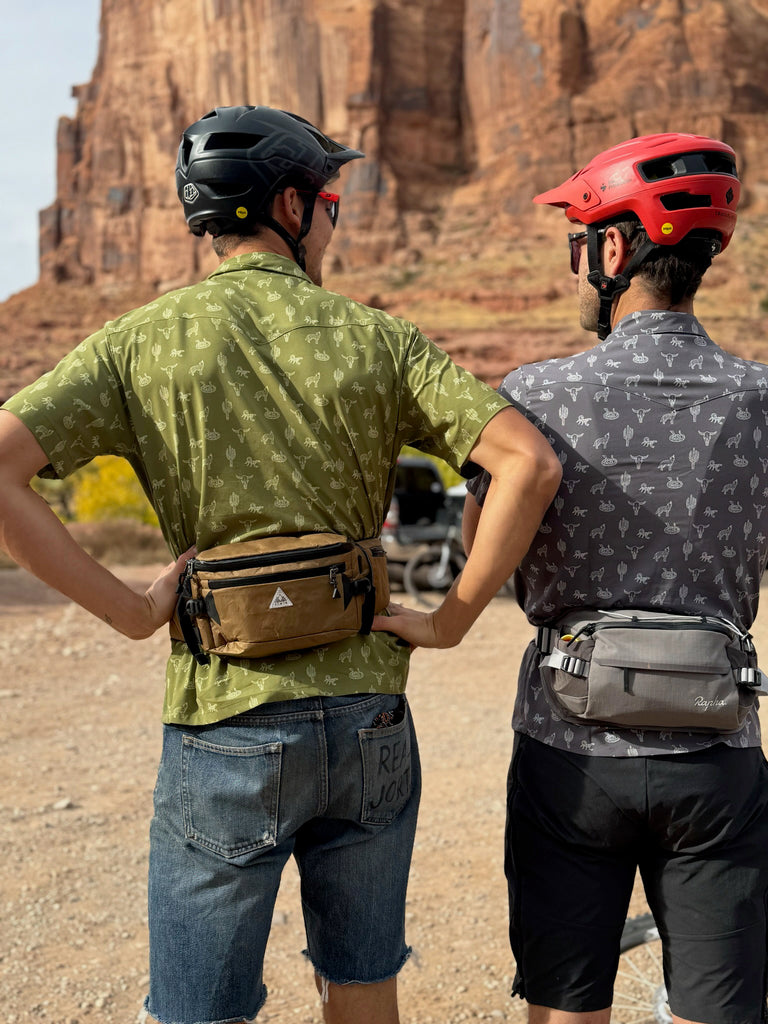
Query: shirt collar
x=261, y=261
x=658, y=321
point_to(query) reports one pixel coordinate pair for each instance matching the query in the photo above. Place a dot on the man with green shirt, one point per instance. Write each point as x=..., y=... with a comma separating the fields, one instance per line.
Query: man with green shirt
x=253, y=404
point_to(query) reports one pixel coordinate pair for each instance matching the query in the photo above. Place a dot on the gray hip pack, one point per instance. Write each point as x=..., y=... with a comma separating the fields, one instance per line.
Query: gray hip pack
x=253, y=599
x=643, y=669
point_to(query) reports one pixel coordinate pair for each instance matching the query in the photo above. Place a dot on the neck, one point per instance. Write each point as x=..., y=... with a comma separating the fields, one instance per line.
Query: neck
x=265, y=241
x=637, y=300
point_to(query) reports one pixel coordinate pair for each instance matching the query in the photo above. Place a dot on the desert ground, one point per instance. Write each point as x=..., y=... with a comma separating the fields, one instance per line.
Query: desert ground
x=81, y=706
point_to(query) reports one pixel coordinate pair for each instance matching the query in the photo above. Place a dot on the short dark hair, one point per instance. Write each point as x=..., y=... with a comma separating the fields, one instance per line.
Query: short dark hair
x=224, y=245
x=672, y=272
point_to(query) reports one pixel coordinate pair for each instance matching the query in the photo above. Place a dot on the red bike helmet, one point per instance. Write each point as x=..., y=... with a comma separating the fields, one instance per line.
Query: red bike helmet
x=677, y=185
x=673, y=183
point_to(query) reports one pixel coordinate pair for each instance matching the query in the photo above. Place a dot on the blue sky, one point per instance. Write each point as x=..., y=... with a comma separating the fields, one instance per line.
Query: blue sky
x=46, y=47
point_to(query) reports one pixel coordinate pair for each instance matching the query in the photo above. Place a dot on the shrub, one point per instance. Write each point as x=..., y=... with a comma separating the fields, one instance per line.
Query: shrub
x=121, y=542
x=57, y=493
x=107, y=488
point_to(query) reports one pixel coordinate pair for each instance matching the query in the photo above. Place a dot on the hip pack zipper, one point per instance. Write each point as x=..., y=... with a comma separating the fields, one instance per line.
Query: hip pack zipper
x=711, y=625
x=268, y=558
x=716, y=627
x=331, y=571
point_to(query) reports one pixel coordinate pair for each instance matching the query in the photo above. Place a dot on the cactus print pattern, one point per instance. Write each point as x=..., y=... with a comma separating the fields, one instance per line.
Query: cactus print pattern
x=663, y=503
x=256, y=403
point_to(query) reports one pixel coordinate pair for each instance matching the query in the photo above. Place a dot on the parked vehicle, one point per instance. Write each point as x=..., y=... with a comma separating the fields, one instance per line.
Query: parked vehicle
x=436, y=552
x=416, y=513
x=434, y=565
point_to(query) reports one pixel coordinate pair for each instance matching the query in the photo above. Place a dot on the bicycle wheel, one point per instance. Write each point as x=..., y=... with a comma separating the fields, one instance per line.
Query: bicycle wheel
x=639, y=995
x=424, y=577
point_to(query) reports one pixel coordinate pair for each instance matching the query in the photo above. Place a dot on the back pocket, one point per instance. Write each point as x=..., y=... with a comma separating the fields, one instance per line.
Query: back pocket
x=230, y=796
x=387, y=776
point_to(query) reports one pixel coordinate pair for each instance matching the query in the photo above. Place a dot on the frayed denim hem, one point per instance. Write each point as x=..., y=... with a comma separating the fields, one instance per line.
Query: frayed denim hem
x=327, y=979
x=242, y=1019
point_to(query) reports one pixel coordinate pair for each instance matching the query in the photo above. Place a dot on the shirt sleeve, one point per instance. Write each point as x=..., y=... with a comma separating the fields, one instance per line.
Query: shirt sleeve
x=77, y=410
x=445, y=408
x=511, y=389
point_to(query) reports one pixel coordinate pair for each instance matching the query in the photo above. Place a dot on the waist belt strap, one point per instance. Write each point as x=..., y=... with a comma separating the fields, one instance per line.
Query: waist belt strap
x=546, y=638
x=760, y=684
x=185, y=608
x=750, y=677
x=566, y=663
x=369, y=599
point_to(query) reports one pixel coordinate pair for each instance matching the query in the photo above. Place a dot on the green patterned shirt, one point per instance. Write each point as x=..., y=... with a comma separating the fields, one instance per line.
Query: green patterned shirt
x=256, y=403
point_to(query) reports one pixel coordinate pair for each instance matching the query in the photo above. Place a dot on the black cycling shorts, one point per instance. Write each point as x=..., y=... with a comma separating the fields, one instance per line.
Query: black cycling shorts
x=696, y=826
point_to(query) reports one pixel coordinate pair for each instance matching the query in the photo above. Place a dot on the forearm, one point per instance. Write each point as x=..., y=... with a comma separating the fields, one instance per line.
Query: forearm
x=34, y=537
x=506, y=525
x=525, y=474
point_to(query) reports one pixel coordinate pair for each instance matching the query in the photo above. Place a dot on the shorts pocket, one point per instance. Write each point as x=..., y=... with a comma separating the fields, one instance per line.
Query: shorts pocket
x=230, y=796
x=387, y=775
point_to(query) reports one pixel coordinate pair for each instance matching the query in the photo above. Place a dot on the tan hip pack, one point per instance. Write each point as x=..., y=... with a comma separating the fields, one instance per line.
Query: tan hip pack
x=640, y=669
x=252, y=599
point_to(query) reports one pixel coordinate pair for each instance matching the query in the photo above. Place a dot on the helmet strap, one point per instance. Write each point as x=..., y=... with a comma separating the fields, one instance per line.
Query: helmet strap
x=608, y=288
x=294, y=244
x=306, y=224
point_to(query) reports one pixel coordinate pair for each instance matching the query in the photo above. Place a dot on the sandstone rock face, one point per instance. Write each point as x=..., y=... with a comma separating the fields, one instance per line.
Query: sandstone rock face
x=465, y=109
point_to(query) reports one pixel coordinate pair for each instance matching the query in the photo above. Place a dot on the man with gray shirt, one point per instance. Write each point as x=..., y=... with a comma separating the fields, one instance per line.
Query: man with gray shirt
x=663, y=509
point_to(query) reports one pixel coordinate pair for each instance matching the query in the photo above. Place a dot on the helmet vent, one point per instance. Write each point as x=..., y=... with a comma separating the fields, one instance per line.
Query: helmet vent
x=684, y=201
x=185, y=150
x=325, y=143
x=226, y=190
x=680, y=164
x=232, y=140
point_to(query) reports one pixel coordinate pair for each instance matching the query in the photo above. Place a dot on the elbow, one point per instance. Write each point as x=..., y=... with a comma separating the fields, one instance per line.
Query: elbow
x=135, y=633
x=546, y=474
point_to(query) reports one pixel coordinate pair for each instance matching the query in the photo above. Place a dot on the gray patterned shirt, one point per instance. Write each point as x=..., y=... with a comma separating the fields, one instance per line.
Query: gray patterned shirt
x=665, y=485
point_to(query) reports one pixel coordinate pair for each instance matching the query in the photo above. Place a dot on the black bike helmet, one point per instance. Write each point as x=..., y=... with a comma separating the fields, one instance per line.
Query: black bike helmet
x=233, y=161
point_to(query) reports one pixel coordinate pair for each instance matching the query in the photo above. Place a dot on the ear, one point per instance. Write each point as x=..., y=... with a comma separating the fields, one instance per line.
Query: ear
x=615, y=251
x=288, y=209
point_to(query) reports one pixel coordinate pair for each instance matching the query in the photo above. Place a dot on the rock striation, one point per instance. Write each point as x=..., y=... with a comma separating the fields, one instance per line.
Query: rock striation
x=465, y=109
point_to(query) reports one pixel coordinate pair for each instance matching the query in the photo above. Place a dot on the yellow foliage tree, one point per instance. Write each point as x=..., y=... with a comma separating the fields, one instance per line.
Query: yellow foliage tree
x=107, y=488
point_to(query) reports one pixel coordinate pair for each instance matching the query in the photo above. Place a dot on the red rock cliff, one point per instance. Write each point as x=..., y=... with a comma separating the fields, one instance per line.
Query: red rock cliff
x=465, y=109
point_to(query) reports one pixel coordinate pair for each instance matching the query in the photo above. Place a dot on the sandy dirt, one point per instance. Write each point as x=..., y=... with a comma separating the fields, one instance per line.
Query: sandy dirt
x=81, y=708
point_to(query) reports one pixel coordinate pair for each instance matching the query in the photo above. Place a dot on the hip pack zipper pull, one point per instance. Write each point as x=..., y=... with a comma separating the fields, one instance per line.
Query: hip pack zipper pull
x=334, y=572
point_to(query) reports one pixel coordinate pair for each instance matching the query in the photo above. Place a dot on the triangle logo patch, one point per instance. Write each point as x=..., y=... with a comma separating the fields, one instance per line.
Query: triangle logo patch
x=281, y=599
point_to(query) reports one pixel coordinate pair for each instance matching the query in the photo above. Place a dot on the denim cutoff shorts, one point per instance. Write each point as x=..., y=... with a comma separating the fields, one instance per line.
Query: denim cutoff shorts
x=312, y=778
